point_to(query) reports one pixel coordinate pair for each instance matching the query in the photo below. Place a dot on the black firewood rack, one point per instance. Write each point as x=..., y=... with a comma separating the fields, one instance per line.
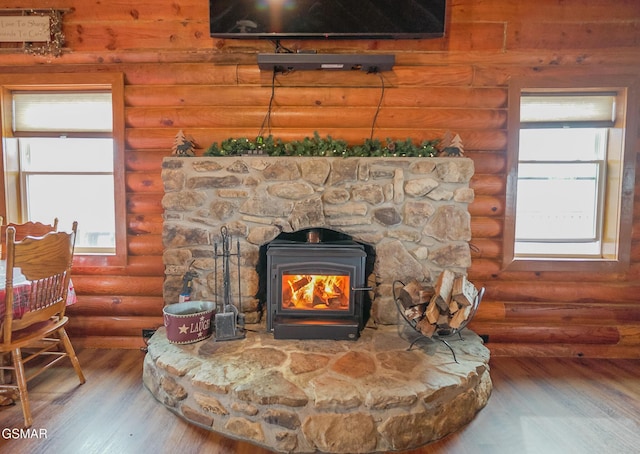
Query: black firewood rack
x=442, y=334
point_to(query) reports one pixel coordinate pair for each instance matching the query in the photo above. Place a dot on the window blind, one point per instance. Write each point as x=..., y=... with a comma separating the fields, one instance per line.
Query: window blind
x=62, y=112
x=550, y=107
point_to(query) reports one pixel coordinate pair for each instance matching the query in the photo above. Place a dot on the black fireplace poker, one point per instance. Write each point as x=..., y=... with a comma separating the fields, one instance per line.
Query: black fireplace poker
x=227, y=322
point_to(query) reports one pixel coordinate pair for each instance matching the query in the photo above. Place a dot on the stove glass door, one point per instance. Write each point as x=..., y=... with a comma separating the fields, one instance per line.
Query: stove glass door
x=315, y=292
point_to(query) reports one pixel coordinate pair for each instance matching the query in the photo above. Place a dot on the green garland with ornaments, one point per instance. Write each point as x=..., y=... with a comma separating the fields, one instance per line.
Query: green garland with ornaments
x=324, y=146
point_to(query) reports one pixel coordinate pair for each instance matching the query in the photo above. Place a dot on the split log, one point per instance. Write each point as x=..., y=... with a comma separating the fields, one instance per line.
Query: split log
x=409, y=295
x=318, y=303
x=287, y=297
x=459, y=317
x=443, y=321
x=433, y=311
x=443, y=289
x=337, y=302
x=415, y=312
x=303, y=281
x=426, y=328
x=426, y=295
x=319, y=296
x=464, y=292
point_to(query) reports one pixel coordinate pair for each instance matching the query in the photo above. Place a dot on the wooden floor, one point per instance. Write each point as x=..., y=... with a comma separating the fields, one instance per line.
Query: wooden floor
x=538, y=405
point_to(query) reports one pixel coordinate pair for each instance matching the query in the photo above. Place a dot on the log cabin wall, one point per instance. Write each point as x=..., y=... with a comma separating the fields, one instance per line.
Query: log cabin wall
x=178, y=78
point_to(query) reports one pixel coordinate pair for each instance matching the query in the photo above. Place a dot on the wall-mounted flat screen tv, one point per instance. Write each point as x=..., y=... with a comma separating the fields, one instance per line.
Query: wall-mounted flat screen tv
x=319, y=19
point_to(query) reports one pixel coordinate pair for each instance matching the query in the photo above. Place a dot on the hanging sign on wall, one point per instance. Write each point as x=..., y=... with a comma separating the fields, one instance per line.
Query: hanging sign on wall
x=15, y=29
x=32, y=31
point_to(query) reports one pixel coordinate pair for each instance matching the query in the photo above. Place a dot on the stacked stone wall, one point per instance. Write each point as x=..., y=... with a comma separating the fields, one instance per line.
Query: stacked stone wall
x=413, y=211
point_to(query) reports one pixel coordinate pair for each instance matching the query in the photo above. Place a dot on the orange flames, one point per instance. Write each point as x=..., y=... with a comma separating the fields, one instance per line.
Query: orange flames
x=315, y=292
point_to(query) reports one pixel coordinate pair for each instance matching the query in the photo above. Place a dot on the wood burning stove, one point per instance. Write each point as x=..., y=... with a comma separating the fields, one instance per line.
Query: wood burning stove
x=315, y=289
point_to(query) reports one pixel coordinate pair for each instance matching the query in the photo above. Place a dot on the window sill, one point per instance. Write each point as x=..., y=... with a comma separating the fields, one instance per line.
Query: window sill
x=576, y=265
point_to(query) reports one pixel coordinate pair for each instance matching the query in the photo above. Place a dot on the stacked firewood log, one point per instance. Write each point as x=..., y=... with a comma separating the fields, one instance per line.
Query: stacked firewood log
x=440, y=309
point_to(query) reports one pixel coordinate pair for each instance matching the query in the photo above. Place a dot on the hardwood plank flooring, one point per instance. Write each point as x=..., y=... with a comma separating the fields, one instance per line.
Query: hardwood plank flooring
x=538, y=405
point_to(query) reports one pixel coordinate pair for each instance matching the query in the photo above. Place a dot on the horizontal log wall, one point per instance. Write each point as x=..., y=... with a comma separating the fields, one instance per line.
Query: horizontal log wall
x=178, y=78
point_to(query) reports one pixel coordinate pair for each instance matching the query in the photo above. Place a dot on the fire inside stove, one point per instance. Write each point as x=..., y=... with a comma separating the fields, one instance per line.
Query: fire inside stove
x=315, y=292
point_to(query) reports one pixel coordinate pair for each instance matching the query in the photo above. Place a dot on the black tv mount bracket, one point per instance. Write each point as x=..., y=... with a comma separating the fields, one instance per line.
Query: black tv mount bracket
x=284, y=62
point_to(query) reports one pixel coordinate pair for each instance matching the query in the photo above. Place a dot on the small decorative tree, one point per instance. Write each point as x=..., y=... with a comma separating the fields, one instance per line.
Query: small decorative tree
x=452, y=146
x=182, y=146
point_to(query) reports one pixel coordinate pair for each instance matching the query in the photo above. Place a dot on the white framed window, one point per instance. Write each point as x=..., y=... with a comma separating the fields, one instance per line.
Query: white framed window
x=68, y=176
x=63, y=158
x=569, y=165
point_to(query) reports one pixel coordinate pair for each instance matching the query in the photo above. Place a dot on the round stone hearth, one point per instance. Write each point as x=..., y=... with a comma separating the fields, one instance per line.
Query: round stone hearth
x=304, y=396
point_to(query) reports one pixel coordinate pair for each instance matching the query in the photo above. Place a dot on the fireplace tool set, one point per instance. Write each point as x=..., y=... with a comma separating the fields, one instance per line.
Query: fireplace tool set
x=228, y=321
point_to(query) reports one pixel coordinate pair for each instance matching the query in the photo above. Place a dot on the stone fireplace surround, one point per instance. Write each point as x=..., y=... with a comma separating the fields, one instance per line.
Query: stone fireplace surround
x=412, y=210
x=369, y=395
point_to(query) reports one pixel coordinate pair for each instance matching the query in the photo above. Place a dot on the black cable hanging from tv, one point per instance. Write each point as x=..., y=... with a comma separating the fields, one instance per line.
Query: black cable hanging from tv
x=379, y=107
x=280, y=49
x=267, y=118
